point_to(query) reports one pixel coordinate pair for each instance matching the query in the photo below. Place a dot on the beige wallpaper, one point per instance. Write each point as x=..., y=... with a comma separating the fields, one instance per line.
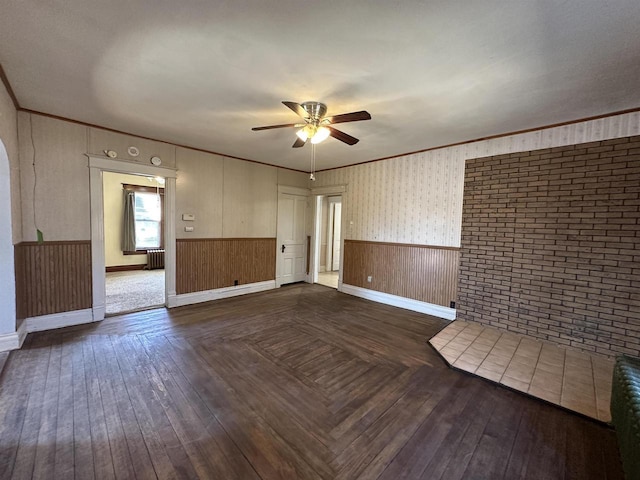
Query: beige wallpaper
x=292, y=178
x=418, y=198
x=229, y=198
x=9, y=138
x=61, y=185
x=413, y=199
x=250, y=199
x=199, y=192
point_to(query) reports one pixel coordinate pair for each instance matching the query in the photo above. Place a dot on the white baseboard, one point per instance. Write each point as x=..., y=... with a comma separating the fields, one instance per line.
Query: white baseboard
x=402, y=302
x=13, y=341
x=99, y=312
x=58, y=320
x=219, y=293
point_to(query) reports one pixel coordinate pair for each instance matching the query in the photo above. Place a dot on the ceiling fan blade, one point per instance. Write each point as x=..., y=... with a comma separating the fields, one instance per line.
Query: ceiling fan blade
x=297, y=108
x=349, y=117
x=269, y=127
x=298, y=143
x=343, y=137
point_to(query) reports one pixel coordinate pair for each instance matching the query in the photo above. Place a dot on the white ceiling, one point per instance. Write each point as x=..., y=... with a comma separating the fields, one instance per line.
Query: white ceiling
x=431, y=73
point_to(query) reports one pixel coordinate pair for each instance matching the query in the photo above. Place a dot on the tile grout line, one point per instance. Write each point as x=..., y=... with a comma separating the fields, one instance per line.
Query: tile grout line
x=564, y=374
x=472, y=342
x=535, y=368
x=511, y=359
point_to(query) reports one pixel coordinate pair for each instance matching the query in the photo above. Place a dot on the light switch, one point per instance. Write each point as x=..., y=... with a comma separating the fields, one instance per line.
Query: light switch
x=189, y=217
x=188, y=229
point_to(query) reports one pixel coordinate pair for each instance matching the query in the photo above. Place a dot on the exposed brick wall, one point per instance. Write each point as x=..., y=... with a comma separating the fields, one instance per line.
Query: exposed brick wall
x=551, y=244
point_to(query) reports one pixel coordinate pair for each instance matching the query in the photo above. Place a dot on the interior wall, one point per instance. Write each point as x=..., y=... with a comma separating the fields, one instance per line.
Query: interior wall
x=199, y=192
x=229, y=198
x=54, y=179
x=113, y=212
x=551, y=245
x=416, y=200
x=250, y=200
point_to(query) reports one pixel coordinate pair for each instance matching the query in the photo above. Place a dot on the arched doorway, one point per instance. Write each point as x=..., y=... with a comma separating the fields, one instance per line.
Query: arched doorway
x=8, y=337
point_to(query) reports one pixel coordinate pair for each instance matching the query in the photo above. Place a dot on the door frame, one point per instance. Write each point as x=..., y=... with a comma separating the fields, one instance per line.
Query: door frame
x=9, y=339
x=332, y=200
x=316, y=193
x=303, y=192
x=98, y=165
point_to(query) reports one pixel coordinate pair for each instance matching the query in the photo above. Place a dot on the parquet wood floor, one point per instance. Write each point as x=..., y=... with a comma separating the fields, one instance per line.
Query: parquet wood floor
x=301, y=382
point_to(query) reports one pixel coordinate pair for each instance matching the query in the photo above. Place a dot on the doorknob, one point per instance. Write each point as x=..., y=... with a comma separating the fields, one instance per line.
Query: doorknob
x=283, y=247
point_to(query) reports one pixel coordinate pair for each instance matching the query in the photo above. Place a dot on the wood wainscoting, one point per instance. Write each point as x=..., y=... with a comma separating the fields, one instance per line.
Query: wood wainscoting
x=420, y=272
x=52, y=277
x=209, y=263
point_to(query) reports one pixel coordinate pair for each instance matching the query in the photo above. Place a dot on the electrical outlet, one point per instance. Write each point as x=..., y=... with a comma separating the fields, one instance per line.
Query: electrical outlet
x=452, y=304
x=235, y=283
x=369, y=278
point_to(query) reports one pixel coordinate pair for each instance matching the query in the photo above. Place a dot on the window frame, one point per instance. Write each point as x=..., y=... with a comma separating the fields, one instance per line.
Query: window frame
x=147, y=189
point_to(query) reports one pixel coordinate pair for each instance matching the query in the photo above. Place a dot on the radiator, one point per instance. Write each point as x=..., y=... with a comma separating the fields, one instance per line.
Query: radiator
x=155, y=259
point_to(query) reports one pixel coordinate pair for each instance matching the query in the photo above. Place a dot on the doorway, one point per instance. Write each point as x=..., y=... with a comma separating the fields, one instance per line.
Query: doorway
x=291, y=264
x=7, y=272
x=330, y=240
x=135, y=262
x=99, y=166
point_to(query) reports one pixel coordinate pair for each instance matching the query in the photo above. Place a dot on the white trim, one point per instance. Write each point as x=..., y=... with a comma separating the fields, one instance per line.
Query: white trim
x=329, y=190
x=58, y=320
x=316, y=230
x=219, y=293
x=169, y=239
x=22, y=333
x=9, y=341
x=97, y=243
x=98, y=165
x=316, y=245
x=7, y=262
x=402, y=302
x=14, y=340
x=304, y=192
x=99, y=312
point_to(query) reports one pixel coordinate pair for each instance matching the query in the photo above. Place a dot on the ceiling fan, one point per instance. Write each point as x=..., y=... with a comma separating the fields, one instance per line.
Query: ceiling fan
x=316, y=126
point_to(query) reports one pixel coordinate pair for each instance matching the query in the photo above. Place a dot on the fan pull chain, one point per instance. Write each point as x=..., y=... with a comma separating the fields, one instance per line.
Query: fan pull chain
x=312, y=175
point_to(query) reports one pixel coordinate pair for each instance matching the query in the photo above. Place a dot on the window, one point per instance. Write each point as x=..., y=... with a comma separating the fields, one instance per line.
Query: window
x=148, y=217
x=148, y=221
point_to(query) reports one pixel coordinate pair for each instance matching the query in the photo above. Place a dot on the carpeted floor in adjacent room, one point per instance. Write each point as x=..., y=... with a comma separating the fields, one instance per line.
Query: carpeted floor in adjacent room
x=134, y=290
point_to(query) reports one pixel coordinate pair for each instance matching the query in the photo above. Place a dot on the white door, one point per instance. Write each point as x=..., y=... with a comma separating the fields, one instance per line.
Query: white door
x=291, y=239
x=337, y=220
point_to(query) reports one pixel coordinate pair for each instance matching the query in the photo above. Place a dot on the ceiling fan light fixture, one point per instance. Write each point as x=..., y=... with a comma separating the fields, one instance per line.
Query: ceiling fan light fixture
x=302, y=134
x=307, y=132
x=321, y=135
x=316, y=127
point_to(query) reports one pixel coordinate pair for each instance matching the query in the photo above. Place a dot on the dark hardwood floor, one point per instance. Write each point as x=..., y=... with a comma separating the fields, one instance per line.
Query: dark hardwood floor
x=301, y=382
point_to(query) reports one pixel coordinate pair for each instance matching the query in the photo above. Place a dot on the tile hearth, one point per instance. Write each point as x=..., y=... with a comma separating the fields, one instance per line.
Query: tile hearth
x=567, y=377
